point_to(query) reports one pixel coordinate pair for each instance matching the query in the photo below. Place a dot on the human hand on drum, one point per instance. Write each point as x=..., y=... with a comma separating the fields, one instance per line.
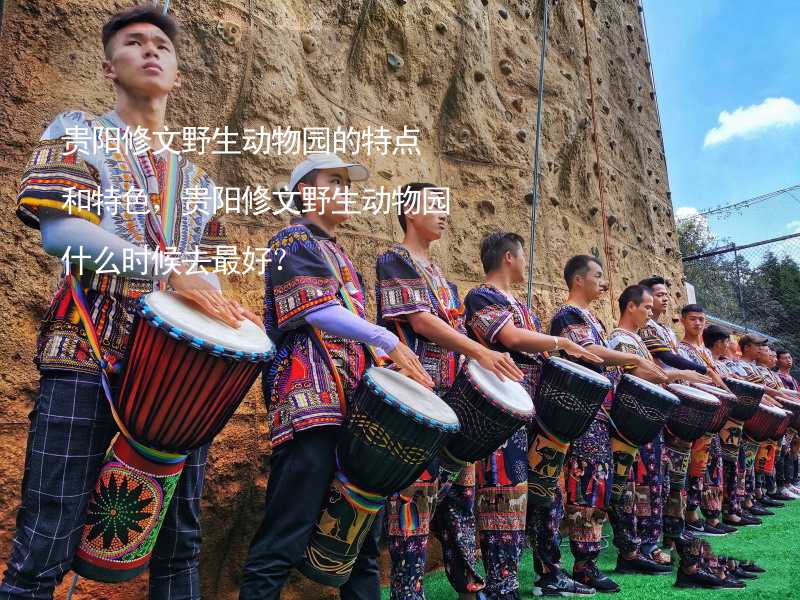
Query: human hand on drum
x=407, y=362
x=499, y=363
x=647, y=369
x=688, y=375
x=194, y=287
x=578, y=351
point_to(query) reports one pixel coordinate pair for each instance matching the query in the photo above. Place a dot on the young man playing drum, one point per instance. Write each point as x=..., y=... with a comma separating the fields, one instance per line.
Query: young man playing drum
x=588, y=463
x=638, y=525
x=704, y=492
x=784, y=366
x=497, y=319
x=314, y=311
x=71, y=425
x=416, y=299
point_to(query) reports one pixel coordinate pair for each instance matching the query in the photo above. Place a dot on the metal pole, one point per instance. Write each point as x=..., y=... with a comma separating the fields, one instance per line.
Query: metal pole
x=535, y=190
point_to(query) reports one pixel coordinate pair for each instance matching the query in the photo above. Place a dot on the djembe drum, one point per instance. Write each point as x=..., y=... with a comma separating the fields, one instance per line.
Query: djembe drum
x=394, y=427
x=489, y=411
x=186, y=373
x=764, y=430
x=689, y=421
x=748, y=397
x=701, y=446
x=793, y=431
x=566, y=402
x=637, y=415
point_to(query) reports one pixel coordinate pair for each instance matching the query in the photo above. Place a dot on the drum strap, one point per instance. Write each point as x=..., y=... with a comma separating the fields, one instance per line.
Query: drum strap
x=616, y=429
x=109, y=365
x=348, y=300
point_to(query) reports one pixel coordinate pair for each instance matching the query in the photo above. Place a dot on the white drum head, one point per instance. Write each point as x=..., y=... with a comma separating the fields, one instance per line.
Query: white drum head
x=508, y=394
x=652, y=387
x=414, y=396
x=183, y=315
x=773, y=410
x=684, y=391
x=584, y=371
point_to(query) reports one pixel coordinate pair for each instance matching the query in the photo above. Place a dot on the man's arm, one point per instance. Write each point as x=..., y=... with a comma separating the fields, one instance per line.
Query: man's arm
x=433, y=328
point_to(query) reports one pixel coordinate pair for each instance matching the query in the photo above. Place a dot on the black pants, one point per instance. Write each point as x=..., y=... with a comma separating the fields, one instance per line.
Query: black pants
x=301, y=472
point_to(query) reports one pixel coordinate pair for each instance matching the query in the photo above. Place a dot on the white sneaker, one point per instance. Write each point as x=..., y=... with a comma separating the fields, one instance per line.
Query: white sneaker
x=789, y=492
x=795, y=488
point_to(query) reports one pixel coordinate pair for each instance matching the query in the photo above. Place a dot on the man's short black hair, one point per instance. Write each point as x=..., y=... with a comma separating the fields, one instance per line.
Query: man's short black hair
x=713, y=334
x=632, y=293
x=494, y=247
x=141, y=14
x=653, y=281
x=578, y=265
x=409, y=194
x=781, y=351
x=692, y=308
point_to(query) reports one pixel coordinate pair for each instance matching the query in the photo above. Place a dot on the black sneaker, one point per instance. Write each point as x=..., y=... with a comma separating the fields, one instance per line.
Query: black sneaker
x=726, y=528
x=697, y=527
x=751, y=567
x=712, y=530
x=558, y=583
x=592, y=577
x=770, y=502
x=740, y=573
x=742, y=522
x=701, y=579
x=759, y=511
x=780, y=497
x=749, y=518
x=641, y=565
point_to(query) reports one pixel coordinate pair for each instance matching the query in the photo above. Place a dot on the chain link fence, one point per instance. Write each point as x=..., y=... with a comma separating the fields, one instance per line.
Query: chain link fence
x=752, y=288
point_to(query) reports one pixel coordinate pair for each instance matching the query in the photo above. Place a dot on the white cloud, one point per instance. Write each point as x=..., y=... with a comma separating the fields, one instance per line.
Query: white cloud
x=793, y=226
x=747, y=120
x=685, y=212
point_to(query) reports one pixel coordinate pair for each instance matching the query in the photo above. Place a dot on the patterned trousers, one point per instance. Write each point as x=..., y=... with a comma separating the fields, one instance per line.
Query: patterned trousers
x=587, y=481
x=501, y=508
x=71, y=429
x=637, y=519
x=451, y=518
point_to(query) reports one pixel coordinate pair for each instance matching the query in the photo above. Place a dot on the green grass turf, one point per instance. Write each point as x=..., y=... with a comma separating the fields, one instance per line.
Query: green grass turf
x=775, y=545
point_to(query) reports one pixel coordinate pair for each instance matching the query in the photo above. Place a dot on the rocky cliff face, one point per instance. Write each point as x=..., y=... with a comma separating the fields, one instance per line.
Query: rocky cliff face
x=464, y=73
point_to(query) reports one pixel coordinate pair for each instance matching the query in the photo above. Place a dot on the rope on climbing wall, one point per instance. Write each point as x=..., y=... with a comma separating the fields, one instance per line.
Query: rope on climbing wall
x=598, y=170
x=72, y=585
x=535, y=189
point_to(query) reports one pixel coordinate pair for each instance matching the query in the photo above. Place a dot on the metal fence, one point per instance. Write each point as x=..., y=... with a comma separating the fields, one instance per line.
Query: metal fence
x=754, y=287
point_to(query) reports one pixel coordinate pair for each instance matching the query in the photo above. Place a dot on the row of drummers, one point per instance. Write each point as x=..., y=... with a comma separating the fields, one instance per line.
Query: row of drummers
x=395, y=428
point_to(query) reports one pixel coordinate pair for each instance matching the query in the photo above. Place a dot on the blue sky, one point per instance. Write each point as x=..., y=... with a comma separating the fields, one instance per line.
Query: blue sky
x=712, y=57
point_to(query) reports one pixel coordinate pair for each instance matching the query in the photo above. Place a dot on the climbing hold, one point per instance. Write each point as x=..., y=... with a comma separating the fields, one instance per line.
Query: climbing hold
x=395, y=62
x=485, y=2
x=593, y=211
x=565, y=223
x=629, y=27
x=441, y=27
x=479, y=76
x=231, y=33
x=463, y=136
x=611, y=220
x=402, y=2
x=517, y=103
x=505, y=67
x=309, y=43
x=509, y=116
x=503, y=13
x=522, y=135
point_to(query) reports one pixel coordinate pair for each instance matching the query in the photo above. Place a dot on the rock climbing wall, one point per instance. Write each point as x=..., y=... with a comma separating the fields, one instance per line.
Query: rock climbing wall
x=465, y=73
